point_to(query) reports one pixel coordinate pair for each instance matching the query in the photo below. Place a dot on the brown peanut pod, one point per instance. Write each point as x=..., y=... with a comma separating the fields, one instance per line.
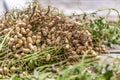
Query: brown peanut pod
x=22, y=54
x=27, y=30
x=48, y=57
x=5, y=31
x=31, y=46
x=25, y=50
x=29, y=26
x=23, y=31
x=39, y=33
x=35, y=48
x=25, y=44
x=21, y=75
x=15, y=38
x=17, y=56
x=29, y=40
x=53, y=30
x=67, y=46
x=38, y=37
x=23, y=39
x=92, y=52
x=20, y=41
x=44, y=33
x=2, y=25
x=26, y=18
x=1, y=70
x=21, y=24
x=58, y=39
x=49, y=41
x=11, y=40
x=34, y=39
x=17, y=29
x=30, y=33
x=37, y=41
x=43, y=46
x=13, y=69
x=1, y=28
x=18, y=45
x=19, y=35
x=10, y=43
x=14, y=48
x=5, y=70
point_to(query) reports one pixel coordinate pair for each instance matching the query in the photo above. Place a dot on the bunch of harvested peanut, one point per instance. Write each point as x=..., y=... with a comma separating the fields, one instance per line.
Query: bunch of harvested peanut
x=23, y=38
x=36, y=36
x=6, y=70
x=36, y=27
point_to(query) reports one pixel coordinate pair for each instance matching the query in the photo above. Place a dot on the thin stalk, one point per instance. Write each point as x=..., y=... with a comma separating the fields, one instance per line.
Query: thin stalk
x=1, y=45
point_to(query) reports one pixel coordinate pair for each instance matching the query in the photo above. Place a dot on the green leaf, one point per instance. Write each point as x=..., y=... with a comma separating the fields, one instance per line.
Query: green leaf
x=16, y=78
x=103, y=21
x=118, y=78
x=108, y=74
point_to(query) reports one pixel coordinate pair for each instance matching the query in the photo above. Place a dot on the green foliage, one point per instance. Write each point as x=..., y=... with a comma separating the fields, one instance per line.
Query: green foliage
x=79, y=71
x=38, y=68
x=101, y=30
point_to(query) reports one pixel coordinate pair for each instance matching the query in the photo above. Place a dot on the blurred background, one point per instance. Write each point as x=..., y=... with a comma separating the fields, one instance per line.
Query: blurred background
x=66, y=6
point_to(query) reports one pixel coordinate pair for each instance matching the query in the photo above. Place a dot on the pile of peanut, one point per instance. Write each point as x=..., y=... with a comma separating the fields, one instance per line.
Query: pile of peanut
x=36, y=28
